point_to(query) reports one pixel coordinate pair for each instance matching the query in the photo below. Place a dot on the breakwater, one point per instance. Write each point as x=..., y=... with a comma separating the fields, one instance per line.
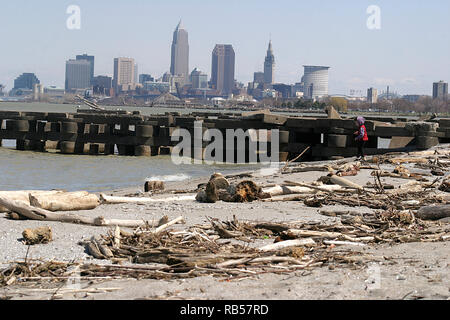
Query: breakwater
x=132, y=134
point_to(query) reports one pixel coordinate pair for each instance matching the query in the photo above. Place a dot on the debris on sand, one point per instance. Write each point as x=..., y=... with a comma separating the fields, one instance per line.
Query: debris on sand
x=215, y=248
x=41, y=235
x=219, y=189
x=154, y=186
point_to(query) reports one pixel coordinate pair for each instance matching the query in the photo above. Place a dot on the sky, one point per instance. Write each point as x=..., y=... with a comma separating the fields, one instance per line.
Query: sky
x=409, y=51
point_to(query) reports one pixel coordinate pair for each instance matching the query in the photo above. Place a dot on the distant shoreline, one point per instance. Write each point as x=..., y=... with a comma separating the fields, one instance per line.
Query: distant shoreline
x=300, y=112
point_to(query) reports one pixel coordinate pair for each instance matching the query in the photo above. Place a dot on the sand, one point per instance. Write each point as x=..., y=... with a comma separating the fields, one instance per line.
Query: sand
x=409, y=271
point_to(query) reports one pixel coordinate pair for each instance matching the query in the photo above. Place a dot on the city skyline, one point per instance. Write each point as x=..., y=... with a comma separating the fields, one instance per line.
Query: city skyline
x=409, y=53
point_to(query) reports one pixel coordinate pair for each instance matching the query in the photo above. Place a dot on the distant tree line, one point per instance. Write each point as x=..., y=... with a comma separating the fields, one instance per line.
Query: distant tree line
x=423, y=105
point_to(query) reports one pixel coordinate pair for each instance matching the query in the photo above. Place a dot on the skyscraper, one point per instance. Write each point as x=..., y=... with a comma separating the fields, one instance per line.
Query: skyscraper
x=372, y=95
x=315, y=82
x=269, y=66
x=440, y=90
x=91, y=60
x=123, y=74
x=223, y=64
x=78, y=74
x=180, y=52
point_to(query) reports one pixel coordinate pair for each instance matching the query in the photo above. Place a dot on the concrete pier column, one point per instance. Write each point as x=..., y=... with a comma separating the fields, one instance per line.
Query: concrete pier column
x=67, y=147
x=142, y=151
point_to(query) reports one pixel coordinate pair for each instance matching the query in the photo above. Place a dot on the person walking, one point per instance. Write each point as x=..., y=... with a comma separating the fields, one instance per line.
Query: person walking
x=361, y=138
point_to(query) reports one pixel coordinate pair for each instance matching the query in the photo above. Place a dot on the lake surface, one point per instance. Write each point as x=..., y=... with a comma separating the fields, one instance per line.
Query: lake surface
x=21, y=170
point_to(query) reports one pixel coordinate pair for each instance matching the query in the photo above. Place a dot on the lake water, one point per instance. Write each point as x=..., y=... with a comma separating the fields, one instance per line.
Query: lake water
x=21, y=170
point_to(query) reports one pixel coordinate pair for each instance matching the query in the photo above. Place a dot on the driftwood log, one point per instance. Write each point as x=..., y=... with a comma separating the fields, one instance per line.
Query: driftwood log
x=39, y=214
x=300, y=189
x=23, y=196
x=344, y=182
x=433, y=212
x=67, y=201
x=288, y=244
x=118, y=200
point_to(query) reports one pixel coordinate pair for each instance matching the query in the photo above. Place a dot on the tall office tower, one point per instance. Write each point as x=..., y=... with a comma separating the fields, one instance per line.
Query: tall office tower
x=78, y=75
x=372, y=95
x=26, y=81
x=180, y=53
x=440, y=90
x=123, y=74
x=222, y=71
x=315, y=82
x=258, y=77
x=269, y=66
x=91, y=59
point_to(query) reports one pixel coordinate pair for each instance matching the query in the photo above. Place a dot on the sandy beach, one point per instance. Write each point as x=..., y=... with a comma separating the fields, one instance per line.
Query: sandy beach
x=418, y=270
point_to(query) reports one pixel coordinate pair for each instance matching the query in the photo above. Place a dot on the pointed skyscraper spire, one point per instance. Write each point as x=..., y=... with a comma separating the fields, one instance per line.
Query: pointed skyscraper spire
x=180, y=25
x=269, y=65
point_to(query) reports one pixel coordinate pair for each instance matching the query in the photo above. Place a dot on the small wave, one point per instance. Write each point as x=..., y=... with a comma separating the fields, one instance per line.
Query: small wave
x=170, y=178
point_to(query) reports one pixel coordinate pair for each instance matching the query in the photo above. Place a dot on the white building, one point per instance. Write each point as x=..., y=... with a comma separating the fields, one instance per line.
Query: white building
x=124, y=71
x=315, y=81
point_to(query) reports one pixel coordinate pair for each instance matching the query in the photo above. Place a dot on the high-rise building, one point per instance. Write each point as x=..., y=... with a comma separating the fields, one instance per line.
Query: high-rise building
x=91, y=60
x=258, y=77
x=78, y=74
x=26, y=81
x=123, y=74
x=269, y=66
x=136, y=74
x=315, y=82
x=199, y=79
x=180, y=53
x=372, y=95
x=222, y=71
x=440, y=90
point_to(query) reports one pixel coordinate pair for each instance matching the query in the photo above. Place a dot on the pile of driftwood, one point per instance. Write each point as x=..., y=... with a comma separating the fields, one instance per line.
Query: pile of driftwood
x=227, y=248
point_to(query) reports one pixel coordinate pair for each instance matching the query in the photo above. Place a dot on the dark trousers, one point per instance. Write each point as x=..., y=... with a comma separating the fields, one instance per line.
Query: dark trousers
x=361, y=145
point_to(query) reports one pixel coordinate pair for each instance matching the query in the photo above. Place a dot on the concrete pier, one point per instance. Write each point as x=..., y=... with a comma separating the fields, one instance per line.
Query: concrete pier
x=100, y=133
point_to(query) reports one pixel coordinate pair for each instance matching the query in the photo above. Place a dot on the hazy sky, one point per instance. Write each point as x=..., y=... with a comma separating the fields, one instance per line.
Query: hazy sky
x=409, y=52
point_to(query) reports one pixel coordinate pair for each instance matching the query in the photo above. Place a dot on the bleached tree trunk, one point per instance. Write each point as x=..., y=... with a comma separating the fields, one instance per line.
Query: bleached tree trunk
x=69, y=201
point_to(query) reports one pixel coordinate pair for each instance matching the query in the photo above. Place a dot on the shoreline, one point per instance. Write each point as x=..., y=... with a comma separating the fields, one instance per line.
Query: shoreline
x=313, y=112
